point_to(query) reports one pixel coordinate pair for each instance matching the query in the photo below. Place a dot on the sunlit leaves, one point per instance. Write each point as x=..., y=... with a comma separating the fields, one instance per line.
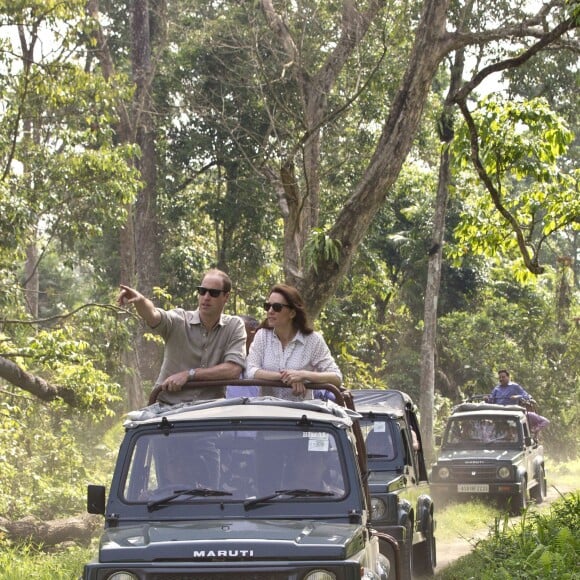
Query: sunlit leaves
x=521, y=147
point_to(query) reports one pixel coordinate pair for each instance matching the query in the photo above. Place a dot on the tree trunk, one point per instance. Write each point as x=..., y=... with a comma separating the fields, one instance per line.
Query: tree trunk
x=429, y=339
x=383, y=170
x=139, y=239
x=427, y=398
x=79, y=529
x=300, y=206
x=146, y=239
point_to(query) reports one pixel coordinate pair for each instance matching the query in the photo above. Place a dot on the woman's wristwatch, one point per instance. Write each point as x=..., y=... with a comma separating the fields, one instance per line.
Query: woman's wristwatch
x=190, y=374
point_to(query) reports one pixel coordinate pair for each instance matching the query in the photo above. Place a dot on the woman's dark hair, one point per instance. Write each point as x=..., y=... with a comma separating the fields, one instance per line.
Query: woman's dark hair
x=294, y=300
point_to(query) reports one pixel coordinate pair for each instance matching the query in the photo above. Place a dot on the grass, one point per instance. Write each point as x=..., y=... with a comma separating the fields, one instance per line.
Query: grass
x=460, y=519
x=28, y=562
x=563, y=476
x=544, y=543
x=540, y=545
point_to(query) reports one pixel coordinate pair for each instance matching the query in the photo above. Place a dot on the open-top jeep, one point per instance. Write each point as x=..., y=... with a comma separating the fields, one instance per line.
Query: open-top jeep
x=246, y=488
x=398, y=482
x=488, y=451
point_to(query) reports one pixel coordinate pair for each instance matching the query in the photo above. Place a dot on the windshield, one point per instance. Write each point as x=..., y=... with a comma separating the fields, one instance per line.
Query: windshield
x=378, y=436
x=232, y=465
x=482, y=431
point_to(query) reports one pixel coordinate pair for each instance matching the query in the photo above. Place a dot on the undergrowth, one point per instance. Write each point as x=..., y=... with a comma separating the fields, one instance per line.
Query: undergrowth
x=541, y=545
x=28, y=562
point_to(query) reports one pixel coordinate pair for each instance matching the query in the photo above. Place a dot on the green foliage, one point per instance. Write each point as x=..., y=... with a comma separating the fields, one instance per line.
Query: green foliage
x=44, y=468
x=542, y=545
x=18, y=562
x=63, y=172
x=320, y=247
x=522, y=148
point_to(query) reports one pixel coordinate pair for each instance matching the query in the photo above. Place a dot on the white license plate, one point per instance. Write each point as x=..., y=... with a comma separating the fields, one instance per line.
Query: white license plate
x=473, y=488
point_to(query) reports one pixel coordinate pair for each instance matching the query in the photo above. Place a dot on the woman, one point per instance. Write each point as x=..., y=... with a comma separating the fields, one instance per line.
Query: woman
x=287, y=349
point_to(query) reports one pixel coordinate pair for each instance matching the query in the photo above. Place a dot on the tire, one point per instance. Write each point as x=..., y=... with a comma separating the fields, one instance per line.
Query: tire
x=538, y=493
x=425, y=557
x=520, y=500
x=407, y=553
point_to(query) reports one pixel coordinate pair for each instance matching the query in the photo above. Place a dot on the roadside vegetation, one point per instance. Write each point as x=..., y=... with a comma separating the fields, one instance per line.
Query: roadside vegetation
x=542, y=544
x=18, y=562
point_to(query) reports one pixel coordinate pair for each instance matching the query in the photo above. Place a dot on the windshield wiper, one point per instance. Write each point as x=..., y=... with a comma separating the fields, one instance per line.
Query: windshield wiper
x=194, y=492
x=291, y=492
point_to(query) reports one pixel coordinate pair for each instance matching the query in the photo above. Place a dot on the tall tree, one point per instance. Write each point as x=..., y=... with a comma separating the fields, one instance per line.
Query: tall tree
x=139, y=239
x=428, y=343
x=299, y=66
x=62, y=175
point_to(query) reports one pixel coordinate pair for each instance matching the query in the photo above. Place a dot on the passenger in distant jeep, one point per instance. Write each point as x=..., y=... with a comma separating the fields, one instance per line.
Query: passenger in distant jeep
x=510, y=393
x=507, y=392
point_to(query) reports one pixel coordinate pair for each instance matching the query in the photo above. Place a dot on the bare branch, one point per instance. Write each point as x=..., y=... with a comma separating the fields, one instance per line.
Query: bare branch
x=545, y=40
x=61, y=317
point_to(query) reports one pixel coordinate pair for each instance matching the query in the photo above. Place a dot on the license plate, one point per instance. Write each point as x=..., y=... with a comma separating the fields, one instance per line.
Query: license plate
x=473, y=488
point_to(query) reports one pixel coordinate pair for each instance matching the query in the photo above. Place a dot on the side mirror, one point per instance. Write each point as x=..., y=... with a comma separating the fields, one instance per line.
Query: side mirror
x=438, y=440
x=96, y=499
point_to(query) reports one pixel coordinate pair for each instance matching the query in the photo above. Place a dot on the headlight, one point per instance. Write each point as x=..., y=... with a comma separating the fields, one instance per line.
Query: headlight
x=378, y=508
x=504, y=472
x=320, y=575
x=443, y=472
x=123, y=576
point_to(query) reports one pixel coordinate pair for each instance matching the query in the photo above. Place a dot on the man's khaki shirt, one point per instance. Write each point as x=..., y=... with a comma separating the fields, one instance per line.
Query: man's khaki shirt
x=189, y=345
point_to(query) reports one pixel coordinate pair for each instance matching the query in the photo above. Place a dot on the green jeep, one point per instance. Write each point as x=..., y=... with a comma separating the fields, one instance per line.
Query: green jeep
x=242, y=489
x=400, y=495
x=488, y=451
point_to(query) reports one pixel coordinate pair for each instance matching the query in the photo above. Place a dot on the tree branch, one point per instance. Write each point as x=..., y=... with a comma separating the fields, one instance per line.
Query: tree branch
x=545, y=40
x=531, y=262
x=37, y=386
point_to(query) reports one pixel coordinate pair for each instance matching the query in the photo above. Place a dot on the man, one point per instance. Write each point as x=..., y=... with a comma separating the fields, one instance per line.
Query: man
x=506, y=392
x=202, y=344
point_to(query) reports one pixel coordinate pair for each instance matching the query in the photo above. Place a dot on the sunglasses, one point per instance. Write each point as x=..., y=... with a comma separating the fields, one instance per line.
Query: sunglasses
x=277, y=306
x=213, y=292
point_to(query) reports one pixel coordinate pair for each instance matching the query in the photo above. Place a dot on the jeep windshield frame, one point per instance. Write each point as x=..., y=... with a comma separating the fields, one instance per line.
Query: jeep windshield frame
x=483, y=431
x=237, y=462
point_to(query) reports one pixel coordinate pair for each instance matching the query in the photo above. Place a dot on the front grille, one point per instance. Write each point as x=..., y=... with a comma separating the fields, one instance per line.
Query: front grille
x=474, y=472
x=220, y=576
x=341, y=571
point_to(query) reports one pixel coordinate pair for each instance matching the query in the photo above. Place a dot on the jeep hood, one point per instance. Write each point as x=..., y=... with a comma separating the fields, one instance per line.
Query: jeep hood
x=479, y=455
x=386, y=481
x=208, y=540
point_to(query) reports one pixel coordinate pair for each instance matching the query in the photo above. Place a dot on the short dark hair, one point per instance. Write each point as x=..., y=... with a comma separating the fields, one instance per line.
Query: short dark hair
x=226, y=280
x=503, y=371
